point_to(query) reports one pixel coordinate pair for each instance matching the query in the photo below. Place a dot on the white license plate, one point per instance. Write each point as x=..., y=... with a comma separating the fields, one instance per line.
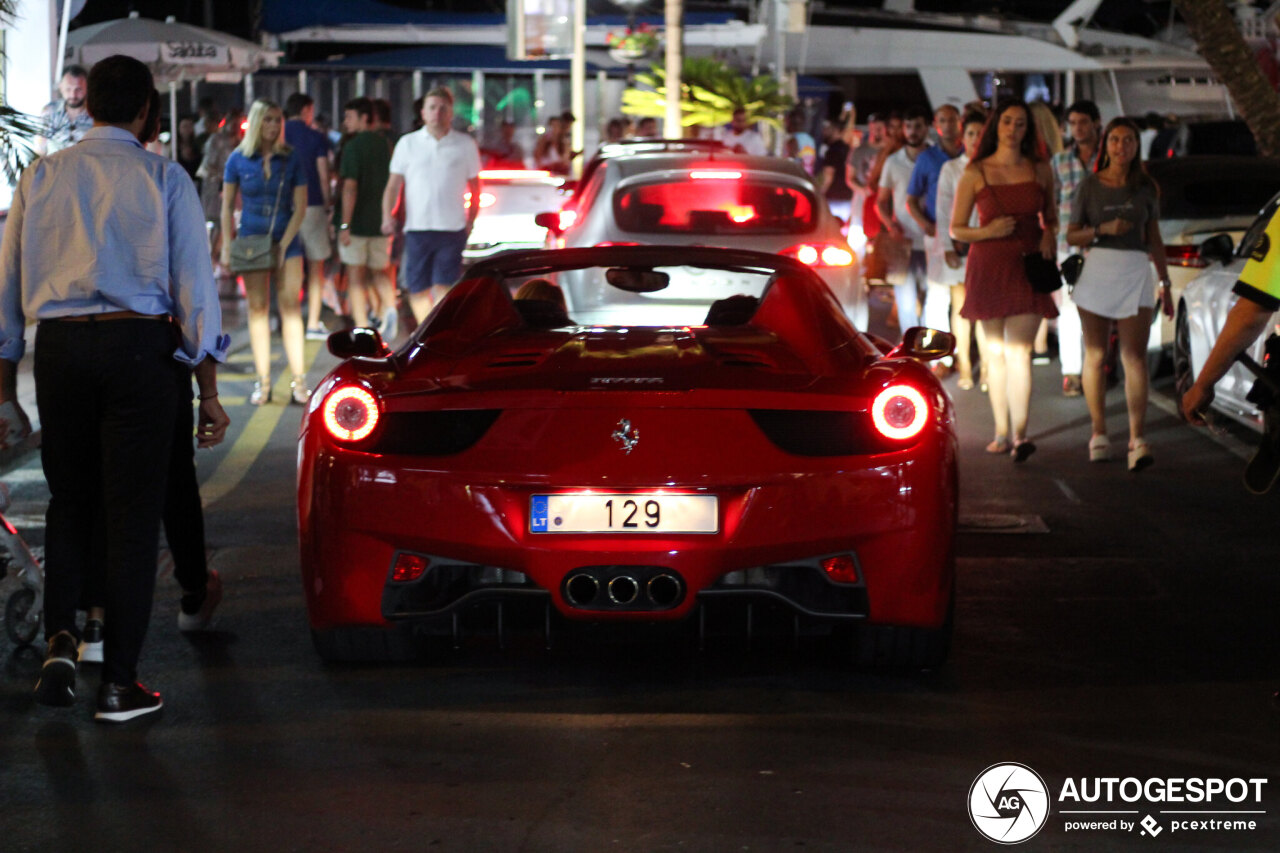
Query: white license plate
x=602, y=513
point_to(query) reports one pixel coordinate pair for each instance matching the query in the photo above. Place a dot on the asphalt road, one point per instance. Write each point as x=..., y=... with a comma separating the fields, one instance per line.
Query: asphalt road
x=1110, y=625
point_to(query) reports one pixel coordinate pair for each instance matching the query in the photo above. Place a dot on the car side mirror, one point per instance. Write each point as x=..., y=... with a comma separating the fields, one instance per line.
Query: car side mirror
x=924, y=344
x=358, y=341
x=1217, y=248
x=549, y=221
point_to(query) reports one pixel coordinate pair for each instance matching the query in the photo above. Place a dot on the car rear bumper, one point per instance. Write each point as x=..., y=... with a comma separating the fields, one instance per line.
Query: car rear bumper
x=894, y=518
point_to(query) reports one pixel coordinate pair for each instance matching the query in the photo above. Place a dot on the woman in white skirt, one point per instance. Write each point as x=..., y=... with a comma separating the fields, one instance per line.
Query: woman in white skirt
x=1116, y=215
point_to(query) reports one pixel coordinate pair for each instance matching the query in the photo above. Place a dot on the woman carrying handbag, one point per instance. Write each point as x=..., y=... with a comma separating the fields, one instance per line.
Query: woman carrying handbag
x=273, y=193
x=1116, y=214
x=1012, y=190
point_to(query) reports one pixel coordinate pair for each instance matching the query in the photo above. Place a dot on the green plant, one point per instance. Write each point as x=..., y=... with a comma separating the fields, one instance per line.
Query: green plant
x=710, y=94
x=17, y=130
x=641, y=39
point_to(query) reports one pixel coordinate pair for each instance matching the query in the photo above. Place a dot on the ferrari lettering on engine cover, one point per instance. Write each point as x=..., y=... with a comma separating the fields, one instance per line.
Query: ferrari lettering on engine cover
x=628, y=436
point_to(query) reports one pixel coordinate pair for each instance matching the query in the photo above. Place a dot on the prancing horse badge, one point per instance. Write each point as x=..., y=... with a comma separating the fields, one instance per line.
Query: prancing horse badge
x=626, y=435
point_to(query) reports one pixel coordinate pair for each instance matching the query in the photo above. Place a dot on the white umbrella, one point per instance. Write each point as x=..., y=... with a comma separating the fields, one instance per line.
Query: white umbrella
x=176, y=53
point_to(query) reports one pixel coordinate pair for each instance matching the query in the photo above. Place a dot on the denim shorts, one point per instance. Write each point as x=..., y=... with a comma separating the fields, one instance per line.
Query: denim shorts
x=432, y=257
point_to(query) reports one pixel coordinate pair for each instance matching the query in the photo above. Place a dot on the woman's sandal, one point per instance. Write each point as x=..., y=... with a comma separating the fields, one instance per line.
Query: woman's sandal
x=1022, y=448
x=1099, y=448
x=1140, y=456
x=1000, y=444
x=965, y=383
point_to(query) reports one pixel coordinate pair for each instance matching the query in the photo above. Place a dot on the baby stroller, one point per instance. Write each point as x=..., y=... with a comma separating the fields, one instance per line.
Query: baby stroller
x=25, y=606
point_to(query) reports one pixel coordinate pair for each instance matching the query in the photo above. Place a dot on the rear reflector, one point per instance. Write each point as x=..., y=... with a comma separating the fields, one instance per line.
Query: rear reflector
x=899, y=412
x=350, y=413
x=841, y=569
x=1184, y=256
x=409, y=567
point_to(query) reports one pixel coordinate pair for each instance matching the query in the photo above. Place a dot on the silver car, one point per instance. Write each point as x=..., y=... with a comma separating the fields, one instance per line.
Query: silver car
x=1199, y=197
x=509, y=200
x=700, y=198
x=1202, y=312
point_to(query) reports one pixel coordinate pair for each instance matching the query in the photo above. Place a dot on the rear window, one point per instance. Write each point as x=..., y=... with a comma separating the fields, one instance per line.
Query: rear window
x=719, y=206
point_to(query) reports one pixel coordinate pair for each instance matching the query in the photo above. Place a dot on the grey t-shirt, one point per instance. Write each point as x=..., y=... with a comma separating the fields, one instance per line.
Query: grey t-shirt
x=1096, y=203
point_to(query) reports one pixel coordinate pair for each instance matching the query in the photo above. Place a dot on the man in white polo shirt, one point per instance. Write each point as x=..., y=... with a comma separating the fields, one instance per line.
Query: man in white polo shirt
x=436, y=167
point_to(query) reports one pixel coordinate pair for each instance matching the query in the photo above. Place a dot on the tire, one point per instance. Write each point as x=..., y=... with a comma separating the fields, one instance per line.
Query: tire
x=16, y=611
x=903, y=646
x=1183, y=375
x=365, y=644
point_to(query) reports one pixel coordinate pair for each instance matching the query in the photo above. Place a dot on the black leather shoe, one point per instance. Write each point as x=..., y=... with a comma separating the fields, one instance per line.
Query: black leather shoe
x=118, y=703
x=57, y=684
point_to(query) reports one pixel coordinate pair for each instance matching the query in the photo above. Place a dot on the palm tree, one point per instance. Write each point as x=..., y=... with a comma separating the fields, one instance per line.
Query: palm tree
x=17, y=130
x=1224, y=48
x=711, y=91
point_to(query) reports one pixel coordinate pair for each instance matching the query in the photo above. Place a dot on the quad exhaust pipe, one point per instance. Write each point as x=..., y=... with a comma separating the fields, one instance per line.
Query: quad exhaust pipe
x=602, y=589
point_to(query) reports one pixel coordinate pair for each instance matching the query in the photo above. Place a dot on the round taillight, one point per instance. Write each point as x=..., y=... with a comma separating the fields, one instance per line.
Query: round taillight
x=807, y=255
x=350, y=413
x=899, y=412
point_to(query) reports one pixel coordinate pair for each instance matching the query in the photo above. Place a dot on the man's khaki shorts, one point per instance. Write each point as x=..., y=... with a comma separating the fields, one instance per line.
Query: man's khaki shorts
x=315, y=234
x=371, y=252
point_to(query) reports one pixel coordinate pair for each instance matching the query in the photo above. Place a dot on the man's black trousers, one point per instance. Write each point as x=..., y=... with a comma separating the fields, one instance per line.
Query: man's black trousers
x=107, y=393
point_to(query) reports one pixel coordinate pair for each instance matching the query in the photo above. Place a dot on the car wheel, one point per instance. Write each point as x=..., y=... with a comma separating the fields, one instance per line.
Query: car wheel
x=365, y=644
x=904, y=646
x=1183, y=376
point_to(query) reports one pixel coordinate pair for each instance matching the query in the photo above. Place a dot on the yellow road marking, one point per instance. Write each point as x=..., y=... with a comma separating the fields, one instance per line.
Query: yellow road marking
x=253, y=439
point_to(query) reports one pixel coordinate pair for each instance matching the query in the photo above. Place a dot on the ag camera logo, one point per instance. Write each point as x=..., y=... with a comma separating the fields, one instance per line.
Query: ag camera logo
x=1008, y=803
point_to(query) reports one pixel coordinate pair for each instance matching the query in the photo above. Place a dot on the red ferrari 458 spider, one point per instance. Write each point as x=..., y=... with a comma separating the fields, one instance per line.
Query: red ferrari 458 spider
x=727, y=444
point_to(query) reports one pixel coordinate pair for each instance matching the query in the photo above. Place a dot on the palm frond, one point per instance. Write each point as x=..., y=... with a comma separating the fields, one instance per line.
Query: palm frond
x=17, y=130
x=710, y=92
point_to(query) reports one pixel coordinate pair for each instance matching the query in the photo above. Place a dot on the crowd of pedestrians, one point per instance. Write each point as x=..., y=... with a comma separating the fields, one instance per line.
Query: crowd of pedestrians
x=951, y=203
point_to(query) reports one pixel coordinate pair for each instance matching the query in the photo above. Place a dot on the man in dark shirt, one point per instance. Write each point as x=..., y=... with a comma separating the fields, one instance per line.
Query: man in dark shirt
x=313, y=150
x=831, y=178
x=364, y=170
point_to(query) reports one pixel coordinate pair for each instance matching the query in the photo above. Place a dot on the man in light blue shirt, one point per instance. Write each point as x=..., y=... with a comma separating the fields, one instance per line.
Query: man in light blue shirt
x=922, y=202
x=105, y=247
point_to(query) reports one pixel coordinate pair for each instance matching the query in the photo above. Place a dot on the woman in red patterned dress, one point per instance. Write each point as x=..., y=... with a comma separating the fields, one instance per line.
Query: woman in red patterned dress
x=1012, y=189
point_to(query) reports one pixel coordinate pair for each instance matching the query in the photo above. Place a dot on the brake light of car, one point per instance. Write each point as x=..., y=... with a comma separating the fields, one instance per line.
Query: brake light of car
x=350, y=413
x=513, y=174
x=608, y=243
x=841, y=568
x=486, y=200
x=741, y=213
x=568, y=217
x=408, y=567
x=715, y=175
x=1184, y=256
x=899, y=412
x=821, y=254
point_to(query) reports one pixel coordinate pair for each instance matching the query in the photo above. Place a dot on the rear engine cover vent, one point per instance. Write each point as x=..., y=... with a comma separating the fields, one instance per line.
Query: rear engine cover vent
x=814, y=433
x=744, y=358
x=433, y=433
x=517, y=359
